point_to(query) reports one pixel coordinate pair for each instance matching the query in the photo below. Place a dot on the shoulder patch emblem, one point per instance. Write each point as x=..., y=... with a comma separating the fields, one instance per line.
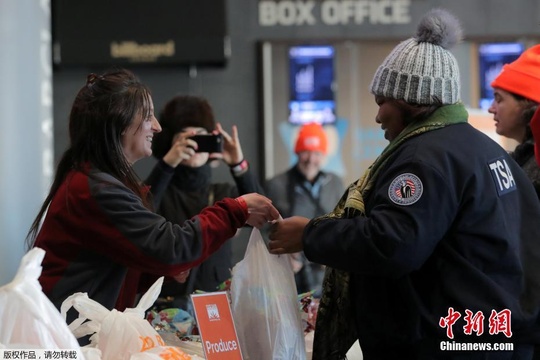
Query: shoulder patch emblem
x=405, y=189
x=502, y=176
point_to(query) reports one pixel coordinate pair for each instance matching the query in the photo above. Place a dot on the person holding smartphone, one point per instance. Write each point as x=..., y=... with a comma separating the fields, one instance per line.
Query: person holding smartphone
x=181, y=182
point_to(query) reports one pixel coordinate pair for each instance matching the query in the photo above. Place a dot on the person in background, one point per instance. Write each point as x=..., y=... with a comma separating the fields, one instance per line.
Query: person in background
x=181, y=183
x=434, y=252
x=98, y=230
x=517, y=96
x=308, y=191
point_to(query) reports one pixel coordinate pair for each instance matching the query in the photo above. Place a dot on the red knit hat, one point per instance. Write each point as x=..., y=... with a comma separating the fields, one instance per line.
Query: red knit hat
x=311, y=137
x=522, y=77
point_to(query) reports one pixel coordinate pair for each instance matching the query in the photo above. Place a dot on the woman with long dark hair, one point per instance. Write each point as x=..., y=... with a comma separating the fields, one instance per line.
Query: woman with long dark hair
x=96, y=224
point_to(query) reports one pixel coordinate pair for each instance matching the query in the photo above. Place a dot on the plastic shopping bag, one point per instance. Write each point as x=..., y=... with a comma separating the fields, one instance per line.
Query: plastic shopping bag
x=265, y=306
x=118, y=335
x=28, y=319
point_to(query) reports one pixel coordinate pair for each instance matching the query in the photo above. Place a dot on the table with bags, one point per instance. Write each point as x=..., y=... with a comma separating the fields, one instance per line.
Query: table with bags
x=272, y=321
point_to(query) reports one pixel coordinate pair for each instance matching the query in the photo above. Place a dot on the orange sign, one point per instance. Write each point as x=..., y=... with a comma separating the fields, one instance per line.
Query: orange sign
x=216, y=326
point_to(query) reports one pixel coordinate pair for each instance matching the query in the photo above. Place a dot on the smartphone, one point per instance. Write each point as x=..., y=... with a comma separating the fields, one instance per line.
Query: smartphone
x=210, y=143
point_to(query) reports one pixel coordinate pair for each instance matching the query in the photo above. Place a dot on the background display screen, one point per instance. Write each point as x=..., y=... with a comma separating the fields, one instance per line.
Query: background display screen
x=311, y=84
x=492, y=58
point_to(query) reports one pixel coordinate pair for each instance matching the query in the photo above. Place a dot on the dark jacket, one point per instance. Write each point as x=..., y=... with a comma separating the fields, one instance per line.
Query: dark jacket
x=470, y=241
x=524, y=155
x=291, y=197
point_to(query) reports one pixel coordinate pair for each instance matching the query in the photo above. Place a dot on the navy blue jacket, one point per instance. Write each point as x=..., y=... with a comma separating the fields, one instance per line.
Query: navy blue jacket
x=452, y=221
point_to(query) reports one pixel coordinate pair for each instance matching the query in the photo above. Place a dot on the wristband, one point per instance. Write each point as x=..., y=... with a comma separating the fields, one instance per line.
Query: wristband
x=242, y=203
x=240, y=167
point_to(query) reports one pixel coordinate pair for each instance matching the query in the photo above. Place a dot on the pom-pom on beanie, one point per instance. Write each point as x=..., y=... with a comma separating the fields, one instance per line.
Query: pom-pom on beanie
x=522, y=77
x=422, y=70
x=311, y=137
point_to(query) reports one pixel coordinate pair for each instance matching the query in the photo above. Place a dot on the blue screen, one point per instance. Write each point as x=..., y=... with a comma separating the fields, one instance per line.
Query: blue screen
x=311, y=78
x=492, y=58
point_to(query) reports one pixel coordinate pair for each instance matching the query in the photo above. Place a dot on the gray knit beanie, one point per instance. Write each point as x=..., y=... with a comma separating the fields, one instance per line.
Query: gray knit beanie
x=421, y=70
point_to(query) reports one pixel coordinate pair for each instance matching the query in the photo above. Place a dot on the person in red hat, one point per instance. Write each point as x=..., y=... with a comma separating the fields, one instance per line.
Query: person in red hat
x=308, y=191
x=516, y=99
x=517, y=114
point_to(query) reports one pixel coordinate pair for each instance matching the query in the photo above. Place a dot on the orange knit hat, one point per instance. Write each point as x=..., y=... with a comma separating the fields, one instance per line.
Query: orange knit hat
x=311, y=137
x=522, y=77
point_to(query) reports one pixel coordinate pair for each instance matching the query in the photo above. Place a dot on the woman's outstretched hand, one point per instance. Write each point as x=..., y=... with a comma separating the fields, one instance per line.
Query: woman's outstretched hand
x=260, y=209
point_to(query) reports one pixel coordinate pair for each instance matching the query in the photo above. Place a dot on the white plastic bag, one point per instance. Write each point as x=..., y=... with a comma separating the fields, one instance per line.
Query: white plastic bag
x=118, y=335
x=265, y=305
x=28, y=319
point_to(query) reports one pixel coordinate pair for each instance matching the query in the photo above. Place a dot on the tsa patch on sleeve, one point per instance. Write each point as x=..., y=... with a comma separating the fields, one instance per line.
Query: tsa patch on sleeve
x=502, y=176
x=405, y=189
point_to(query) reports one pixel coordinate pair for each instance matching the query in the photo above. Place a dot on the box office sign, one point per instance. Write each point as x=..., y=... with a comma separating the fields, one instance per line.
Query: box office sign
x=216, y=326
x=333, y=12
